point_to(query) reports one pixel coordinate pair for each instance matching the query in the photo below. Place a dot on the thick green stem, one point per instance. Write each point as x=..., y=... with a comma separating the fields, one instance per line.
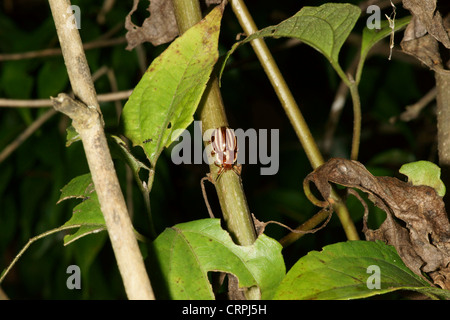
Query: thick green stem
x=291, y=108
x=229, y=188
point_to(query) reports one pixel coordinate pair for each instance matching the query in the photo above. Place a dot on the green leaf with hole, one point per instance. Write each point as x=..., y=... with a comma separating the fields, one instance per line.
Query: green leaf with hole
x=352, y=270
x=87, y=214
x=325, y=28
x=424, y=173
x=185, y=254
x=165, y=99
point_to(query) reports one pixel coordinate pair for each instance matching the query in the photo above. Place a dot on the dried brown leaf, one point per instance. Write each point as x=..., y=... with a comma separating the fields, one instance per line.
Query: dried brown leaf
x=427, y=19
x=161, y=27
x=425, y=49
x=416, y=223
x=427, y=29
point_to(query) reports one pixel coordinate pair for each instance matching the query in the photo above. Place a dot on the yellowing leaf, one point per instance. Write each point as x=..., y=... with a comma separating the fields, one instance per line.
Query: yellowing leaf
x=169, y=92
x=424, y=173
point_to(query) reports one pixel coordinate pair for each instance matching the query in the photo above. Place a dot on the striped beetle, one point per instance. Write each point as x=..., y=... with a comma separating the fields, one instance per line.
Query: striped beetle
x=224, y=150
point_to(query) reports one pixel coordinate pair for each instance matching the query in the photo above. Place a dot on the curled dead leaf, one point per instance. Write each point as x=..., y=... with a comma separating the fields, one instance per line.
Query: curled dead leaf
x=427, y=18
x=416, y=221
x=161, y=27
x=429, y=26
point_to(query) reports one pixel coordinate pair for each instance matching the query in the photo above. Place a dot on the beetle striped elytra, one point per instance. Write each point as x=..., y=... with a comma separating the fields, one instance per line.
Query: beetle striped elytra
x=224, y=150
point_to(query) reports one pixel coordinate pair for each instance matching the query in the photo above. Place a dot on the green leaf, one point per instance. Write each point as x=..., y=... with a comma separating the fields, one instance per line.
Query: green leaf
x=424, y=173
x=87, y=214
x=370, y=37
x=325, y=28
x=342, y=271
x=186, y=252
x=169, y=92
x=72, y=136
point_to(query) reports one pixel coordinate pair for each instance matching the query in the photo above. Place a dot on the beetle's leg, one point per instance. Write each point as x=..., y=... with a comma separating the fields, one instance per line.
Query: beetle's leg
x=237, y=168
x=219, y=174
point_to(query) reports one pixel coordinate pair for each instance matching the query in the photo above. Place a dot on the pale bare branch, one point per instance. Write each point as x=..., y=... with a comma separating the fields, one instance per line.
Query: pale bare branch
x=87, y=120
x=57, y=51
x=41, y=103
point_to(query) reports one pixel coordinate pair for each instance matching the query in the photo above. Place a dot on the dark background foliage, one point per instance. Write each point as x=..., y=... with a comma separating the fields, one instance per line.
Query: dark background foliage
x=31, y=178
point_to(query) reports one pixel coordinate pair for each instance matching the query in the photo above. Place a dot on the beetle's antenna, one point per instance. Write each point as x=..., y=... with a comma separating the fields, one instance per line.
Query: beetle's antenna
x=205, y=196
x=260, y=226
